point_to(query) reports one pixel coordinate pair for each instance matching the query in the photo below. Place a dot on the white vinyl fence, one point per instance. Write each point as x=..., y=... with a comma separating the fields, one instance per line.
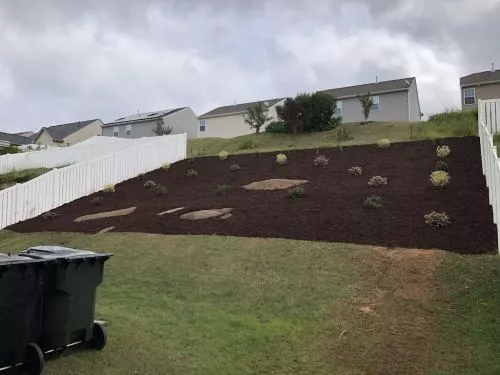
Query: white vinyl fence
x=60, y=186
x=65, y=155
x=488, y=126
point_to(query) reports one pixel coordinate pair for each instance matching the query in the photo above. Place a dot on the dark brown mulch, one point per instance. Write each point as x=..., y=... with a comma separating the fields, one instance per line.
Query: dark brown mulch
x=331, y=210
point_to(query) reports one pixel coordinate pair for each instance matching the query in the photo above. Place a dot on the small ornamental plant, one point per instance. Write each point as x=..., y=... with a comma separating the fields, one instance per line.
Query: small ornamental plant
x=96, y=201
x=281, y=159
x=320, y=161
x=442, y=166
x=437, y=219
x=440, y=179
x=192, y=173
x=235, y=168
x=377, y=181
x=443, y=151
x=141, y=176
x=160, y=190
x=383, y=143
x=150, y=184
x=296, y=192
x=355, y=171
x=223, y=155
x=110, y=188
x=223, y=189
x=165, y=166
x=373, y=201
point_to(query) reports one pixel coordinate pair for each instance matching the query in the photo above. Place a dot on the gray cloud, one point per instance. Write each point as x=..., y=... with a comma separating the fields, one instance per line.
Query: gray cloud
x=65, y=61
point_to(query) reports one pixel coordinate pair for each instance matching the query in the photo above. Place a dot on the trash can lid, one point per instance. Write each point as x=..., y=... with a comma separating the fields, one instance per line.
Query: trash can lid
x=6, y=259
x=58, y=252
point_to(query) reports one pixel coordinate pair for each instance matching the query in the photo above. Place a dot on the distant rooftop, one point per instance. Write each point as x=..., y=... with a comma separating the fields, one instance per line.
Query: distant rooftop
x=373, y=88
x=59, y=132
x=14, y=139
x=140, y=117
x=238, y=108
x=486, y=77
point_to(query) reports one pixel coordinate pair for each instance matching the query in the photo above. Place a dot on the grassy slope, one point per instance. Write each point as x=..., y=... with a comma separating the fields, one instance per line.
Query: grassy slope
x=454, y=124
x=222, y=305
x=15, y=177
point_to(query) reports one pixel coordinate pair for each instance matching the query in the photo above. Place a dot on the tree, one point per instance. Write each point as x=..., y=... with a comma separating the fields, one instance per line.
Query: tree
x=161, y=129
x=257, y=116
x=366, y=101
x=291, y=115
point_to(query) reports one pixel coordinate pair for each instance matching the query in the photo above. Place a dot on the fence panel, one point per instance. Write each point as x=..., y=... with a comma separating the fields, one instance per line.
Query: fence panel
x=61, y=186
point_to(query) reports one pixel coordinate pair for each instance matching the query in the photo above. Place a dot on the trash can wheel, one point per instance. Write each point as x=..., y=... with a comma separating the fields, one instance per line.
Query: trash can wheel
x=34, y=361
x=99, y=337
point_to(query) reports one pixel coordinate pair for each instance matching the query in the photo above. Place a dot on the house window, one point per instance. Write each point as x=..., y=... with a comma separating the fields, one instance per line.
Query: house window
x=115, y=131
x=470, y=96
x=128, y=130
x=202, y=125
x=376, y=103
x=338, y=108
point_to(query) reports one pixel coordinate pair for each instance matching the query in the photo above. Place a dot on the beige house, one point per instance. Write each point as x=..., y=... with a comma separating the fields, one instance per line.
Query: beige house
x=229, y=121
x=68, y=134
x=483, y=85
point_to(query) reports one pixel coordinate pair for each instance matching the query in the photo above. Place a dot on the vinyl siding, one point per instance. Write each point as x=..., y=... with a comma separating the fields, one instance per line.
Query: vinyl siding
x=393, y=107
x=87, y=132
x=46, y=139
x=414, y=102
x=488, y=91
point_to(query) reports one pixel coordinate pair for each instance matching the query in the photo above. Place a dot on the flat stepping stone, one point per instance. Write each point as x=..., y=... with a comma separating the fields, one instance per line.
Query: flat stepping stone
x=275, y=184
x=205, y=214
x=226, y=216
x=106, y=230
x=171, y=211
x=103, y=215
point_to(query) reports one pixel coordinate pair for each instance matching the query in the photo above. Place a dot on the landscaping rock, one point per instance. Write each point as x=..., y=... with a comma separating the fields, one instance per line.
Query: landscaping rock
x=171, y=211
x=103, y=215
x=226, y=216
x=205, y=214
x=275, y=184
x=106, y=230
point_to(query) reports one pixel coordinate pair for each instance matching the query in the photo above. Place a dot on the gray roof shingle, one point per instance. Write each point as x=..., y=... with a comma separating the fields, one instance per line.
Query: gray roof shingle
x=140, y=117
x=372, y=88
x=14, y=139
x=59, y=132
x=481, y=77
x=238, y=108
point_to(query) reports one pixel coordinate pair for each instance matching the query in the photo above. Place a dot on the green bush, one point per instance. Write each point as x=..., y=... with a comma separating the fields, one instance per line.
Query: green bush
x=9, y=150
x=276, y=127
x=383, y=143
x=377, y=181
x=296, y=192
x=373, y=201
x=223, y=189
x=343, y=134
x=223, y=155
x=150, y=184
x=110, y=188
x=440, y=179
x=441, y=166
x=247, y=144
x=437, y=219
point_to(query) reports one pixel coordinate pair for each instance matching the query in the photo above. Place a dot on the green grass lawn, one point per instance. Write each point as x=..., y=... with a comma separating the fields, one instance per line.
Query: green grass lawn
x=18, y=177
x=223, y=305
x=452, y=124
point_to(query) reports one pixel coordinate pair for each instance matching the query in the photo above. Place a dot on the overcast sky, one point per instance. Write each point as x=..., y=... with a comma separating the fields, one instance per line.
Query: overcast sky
x=69, y=60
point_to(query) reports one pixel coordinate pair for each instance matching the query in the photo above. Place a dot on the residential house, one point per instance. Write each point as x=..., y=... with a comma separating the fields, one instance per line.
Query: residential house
x=180, y=120
x=7, y=139
x=68, y=134
x=229, y=121
x=482, y=85
x=395, y=100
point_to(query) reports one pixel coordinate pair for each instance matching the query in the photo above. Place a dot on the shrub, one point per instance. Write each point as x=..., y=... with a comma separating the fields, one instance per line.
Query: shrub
x=440, y=179
x=276, y=127
x=247, y=144
x=296, y=192
x=377, y=181
x=165, y=166
x=441, y=166
x=373, y=201
x=281, y=159
x=223, y=189
x=443, y=151
x=110, y=188
x=355, y=171
x=437, y=219
x=150, y=184
x=223, y=155
x=49, y=215
x=320, y=161
x=383, y=143
x=192, y=173
x=96, y=201
x=343, y=134
x=235, y=168
x=160, y=190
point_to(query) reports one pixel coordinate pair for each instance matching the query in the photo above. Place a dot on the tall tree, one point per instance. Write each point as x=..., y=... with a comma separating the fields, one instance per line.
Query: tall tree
x=161, y=129
x=257, y=116
x=291, y=115
x=366, y=101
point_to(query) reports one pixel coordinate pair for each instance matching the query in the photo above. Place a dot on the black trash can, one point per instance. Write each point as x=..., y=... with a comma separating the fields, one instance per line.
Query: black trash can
x=20, y=313
x=71, y=278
